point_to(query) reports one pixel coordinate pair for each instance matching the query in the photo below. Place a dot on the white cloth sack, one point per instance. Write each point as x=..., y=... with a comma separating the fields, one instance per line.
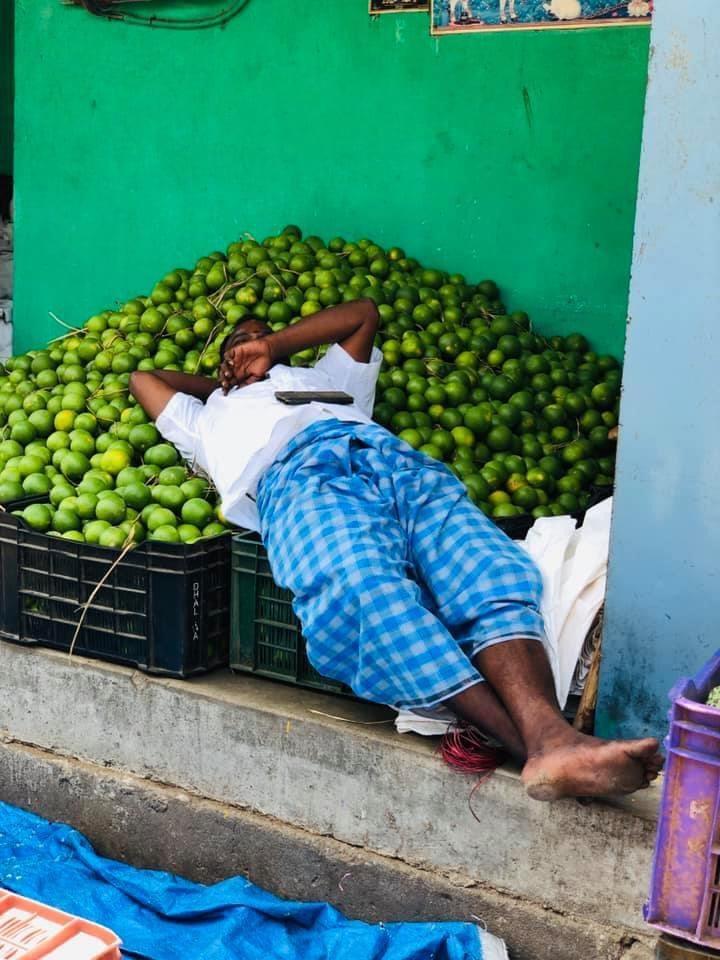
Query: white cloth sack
x=492, y=947
x=573, y=562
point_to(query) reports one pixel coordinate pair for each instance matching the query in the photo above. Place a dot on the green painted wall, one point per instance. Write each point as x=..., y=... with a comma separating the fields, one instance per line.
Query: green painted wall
x=511, y=156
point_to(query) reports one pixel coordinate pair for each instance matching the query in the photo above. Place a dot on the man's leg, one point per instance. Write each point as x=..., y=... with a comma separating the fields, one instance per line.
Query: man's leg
x=487, y=592
x=480, y=706
x=333, y=539
x=561, y=761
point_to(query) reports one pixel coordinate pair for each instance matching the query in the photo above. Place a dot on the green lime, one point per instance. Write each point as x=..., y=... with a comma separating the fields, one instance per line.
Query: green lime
x=604, y=395
x=449, y=419
x=197, y=512
x=173, y=476
x=575, y=451
x=538, y=478
x=133, y=530
x=114, y=460
x=499, y=438
x=568, y=502
x=402, y=420
x=194, y=487
x=143, y=436
x=165, y=533
x=29, y=464
x=82, y=442
x=74, y=464
x=478, y=485
x=58, y=440
x=110, y=507
x=570, y=483
x=457, y=392
x=443, y=440
x=42, y=421
x=94, y=529
x=112, y=537
x=85, y=505
x=188, y=533
x=10, y=490
x=92, y=485
x=10, y=448
x=61, y=491
x=38, y=516
x=161, y=455
x=158, y=516
x=135, y=495
x=168, y=496
x=65, y=520
x=127, y=476
x=23, y=432
x=526, y=498
x=432, y=450
x=214, y=529
x=36, y=484
x=463, y=437
x=75, y=535
x=412, y=436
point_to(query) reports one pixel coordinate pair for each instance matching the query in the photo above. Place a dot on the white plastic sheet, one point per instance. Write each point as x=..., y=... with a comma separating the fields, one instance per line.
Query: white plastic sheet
x=574, y=568
x=573, y=563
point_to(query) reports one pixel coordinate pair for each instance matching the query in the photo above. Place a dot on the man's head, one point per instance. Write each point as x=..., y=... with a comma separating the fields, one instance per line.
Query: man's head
x=248, y=329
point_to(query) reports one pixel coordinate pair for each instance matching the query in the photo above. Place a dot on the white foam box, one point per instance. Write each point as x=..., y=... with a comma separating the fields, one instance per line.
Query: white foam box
x=6, y=330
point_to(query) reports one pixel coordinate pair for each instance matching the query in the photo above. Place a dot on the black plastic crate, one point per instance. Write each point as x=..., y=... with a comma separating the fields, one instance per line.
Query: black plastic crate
x=517, y=528
x=164, y=608
x=265, y=635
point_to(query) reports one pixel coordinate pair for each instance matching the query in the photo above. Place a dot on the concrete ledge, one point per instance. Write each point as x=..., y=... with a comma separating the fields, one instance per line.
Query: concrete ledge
x=149, y=824
x=259, y=746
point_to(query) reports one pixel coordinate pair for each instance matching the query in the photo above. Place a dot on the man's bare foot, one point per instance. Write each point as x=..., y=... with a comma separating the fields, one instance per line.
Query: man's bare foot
x=587, y=767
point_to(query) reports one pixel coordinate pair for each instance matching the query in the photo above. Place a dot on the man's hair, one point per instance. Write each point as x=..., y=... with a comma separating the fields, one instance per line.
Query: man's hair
x=236, y=329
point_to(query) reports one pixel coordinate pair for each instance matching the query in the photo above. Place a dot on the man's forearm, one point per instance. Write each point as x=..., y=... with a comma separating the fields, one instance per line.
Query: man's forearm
x=344, y=323
x=200, y=387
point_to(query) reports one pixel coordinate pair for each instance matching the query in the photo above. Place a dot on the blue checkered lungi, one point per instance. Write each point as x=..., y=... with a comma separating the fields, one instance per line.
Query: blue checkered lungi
x=399, y=580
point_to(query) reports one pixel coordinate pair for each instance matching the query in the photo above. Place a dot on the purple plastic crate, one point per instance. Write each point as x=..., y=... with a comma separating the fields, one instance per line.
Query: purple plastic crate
x=685, y=885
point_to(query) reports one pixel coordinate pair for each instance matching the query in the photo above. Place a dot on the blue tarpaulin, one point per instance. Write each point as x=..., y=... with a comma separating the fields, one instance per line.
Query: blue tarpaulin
x=162, y=917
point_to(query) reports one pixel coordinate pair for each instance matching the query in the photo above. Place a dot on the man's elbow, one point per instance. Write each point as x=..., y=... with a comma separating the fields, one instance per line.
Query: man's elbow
x=371, y=314
x=135, y=384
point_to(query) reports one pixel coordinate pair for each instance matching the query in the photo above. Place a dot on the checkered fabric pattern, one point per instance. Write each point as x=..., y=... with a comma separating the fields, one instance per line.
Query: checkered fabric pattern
x=399, y=580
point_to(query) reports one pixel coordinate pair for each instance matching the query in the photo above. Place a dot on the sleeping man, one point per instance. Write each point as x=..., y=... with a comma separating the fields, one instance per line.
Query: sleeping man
x=406, y=592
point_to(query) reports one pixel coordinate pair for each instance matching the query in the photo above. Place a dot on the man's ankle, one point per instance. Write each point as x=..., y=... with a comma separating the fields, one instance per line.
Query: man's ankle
x=550, y=735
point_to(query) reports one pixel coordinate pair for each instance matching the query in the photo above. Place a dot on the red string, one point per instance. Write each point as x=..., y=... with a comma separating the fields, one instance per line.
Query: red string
x=466, y=749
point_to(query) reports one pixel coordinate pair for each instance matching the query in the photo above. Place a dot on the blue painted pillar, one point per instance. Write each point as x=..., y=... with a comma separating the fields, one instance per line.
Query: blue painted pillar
x=663, y=603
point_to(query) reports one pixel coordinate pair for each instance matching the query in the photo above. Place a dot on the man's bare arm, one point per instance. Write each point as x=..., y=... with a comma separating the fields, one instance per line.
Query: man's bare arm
x=153, y=389
x=353, y=325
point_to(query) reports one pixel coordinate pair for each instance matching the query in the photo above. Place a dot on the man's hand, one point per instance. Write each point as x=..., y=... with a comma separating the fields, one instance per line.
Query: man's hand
x=246, y=363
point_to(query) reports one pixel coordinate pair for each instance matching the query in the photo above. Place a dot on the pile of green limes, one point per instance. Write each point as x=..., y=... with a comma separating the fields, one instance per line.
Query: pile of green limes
x=525, y=421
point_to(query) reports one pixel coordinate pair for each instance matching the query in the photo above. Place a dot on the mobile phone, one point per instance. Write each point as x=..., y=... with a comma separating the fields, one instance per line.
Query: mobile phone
x=297, y=397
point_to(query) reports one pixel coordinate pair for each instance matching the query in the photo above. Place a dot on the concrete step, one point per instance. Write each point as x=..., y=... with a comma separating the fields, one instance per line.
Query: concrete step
x=156, y=826
x=282, y=753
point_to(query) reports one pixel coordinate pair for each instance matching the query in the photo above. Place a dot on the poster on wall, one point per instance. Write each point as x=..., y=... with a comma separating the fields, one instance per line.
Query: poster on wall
x=470, y=16
x=399, y=6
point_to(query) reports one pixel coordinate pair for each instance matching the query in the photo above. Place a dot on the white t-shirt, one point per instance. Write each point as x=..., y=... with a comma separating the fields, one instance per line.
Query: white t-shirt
x=235, y=438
